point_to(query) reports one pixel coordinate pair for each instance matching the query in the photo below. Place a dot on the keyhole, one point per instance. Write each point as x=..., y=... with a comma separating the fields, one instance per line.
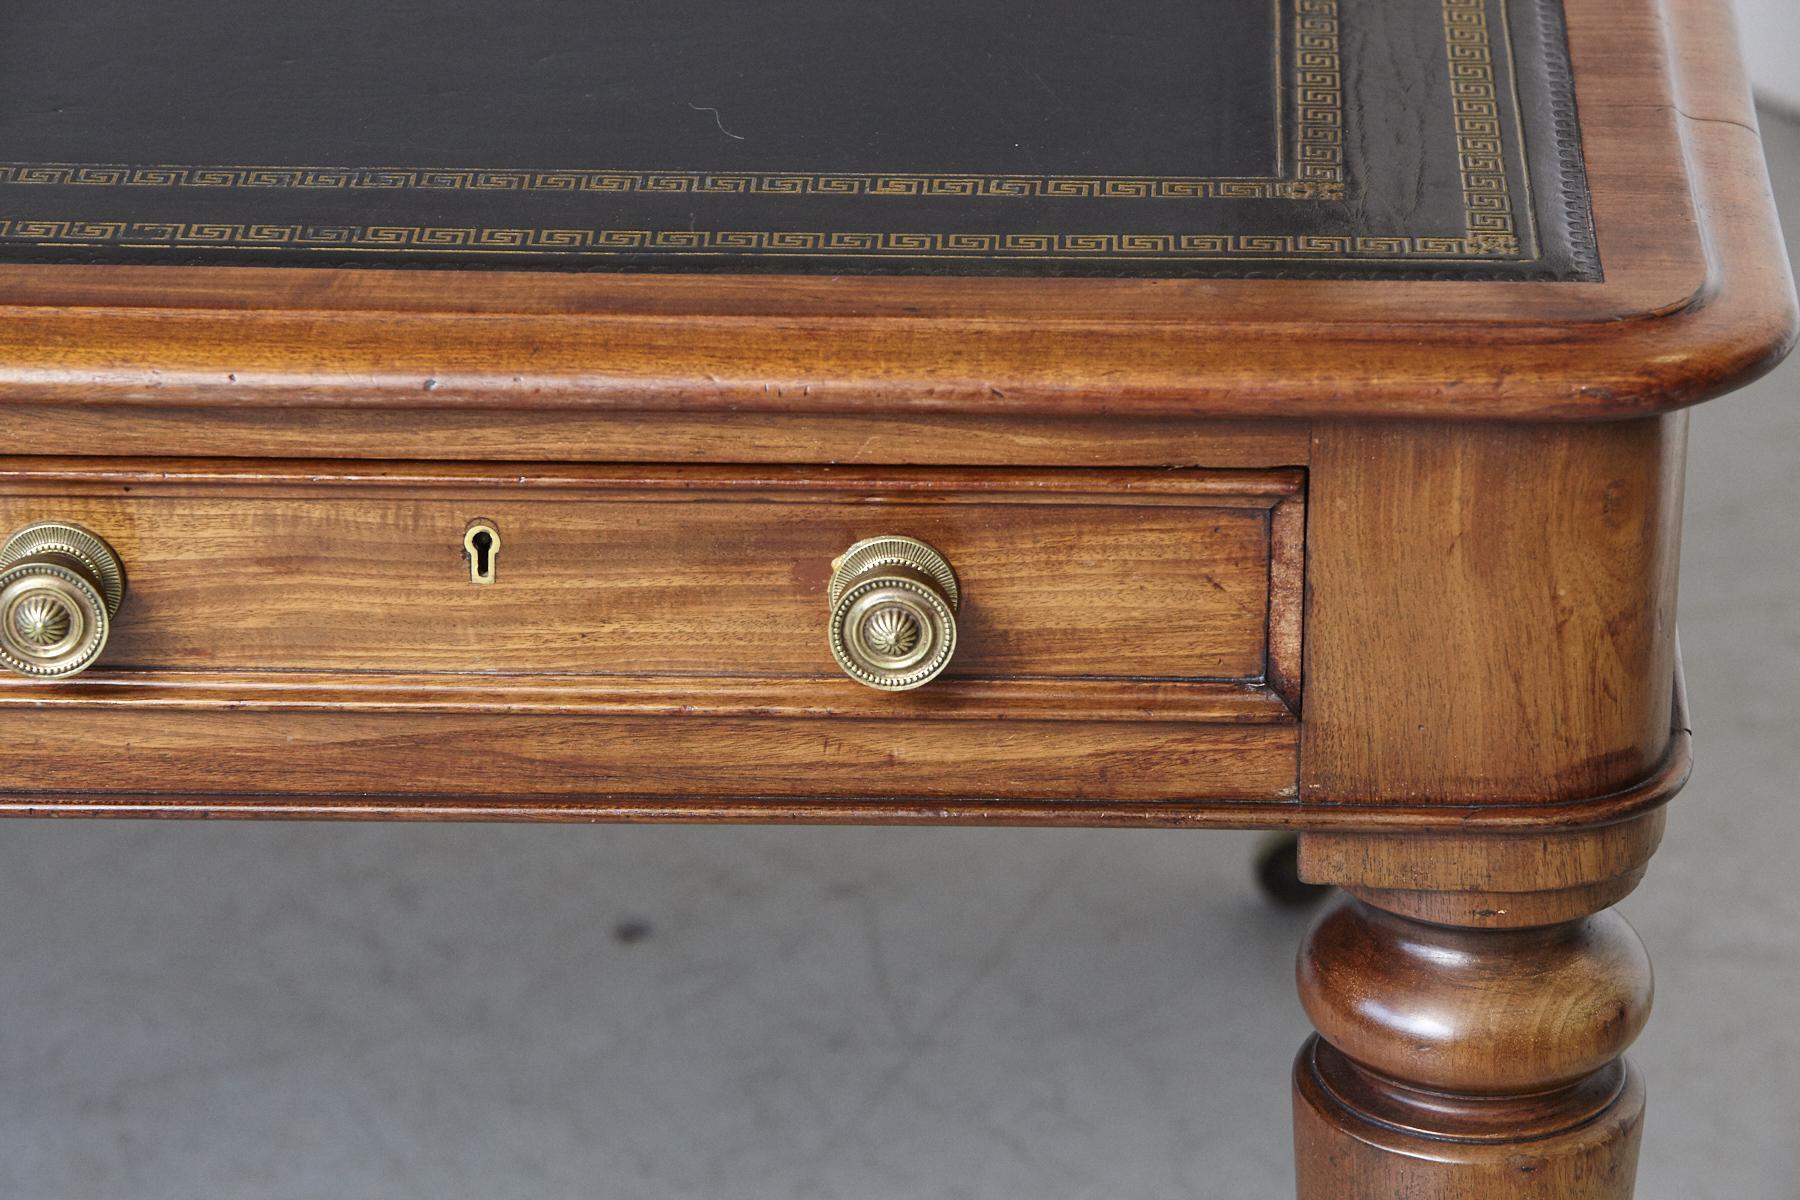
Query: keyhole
x=481, y=545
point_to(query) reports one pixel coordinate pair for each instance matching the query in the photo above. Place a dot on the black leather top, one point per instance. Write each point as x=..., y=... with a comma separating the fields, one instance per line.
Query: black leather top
x=1128, y=137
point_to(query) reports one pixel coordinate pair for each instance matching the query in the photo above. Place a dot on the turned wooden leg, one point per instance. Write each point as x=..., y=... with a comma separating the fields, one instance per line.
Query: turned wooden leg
x=1468, y=1062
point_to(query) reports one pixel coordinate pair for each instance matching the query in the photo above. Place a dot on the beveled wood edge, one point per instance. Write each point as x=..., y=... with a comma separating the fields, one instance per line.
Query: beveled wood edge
x=1697, y=323
x=1627, y=804
x=1254, y=488
x=1403, y=1119
x=1284, y=641
x=1139, y=700
x=752, y=439
x=1500, y=909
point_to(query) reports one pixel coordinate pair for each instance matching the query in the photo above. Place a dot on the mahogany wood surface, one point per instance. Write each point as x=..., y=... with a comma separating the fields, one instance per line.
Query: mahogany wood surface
x=1152, y=618
x=486, y=435
x=211, y=757
x=1168, y=753
x=1469, y=1064
x=1389, y=563
x=1542, y=556
x=1491, y=608
x=694, y=572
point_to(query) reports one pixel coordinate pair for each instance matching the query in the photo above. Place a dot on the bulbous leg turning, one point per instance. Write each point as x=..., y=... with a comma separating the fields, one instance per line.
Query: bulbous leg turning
x=1457, y=1063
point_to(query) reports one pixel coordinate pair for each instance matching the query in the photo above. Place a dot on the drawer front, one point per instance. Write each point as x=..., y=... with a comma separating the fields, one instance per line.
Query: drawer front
x=638, y=614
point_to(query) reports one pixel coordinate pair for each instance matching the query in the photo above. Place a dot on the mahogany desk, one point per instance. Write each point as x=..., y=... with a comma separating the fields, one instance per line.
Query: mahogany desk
x=1236, y=413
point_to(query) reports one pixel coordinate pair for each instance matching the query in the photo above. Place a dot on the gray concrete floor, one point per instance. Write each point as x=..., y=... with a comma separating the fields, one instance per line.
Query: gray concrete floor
x=287, y=1011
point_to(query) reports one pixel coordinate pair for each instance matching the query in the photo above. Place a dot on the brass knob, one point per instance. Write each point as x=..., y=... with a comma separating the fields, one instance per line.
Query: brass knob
x=60, y=586
x=893, y=613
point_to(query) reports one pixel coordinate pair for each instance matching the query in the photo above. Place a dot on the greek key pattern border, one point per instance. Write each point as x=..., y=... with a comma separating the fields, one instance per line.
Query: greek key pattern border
x=711, y=183
x=1480, y=141
x=1319, y=97
x=464, y=240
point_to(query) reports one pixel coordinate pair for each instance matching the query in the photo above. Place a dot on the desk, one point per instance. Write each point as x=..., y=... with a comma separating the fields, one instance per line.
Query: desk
x=1272, y=419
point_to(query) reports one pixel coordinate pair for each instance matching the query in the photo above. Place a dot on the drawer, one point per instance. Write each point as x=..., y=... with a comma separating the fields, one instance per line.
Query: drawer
x=321, y=628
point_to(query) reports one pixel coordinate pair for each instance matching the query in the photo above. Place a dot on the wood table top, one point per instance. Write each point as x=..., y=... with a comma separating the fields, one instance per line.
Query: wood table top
x=1237, y=208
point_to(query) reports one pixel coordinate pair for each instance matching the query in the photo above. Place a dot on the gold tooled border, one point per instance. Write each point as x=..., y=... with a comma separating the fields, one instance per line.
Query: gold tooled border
x=389, y=238
x=1480, y=136
x=890, y=184
x=1490, y=231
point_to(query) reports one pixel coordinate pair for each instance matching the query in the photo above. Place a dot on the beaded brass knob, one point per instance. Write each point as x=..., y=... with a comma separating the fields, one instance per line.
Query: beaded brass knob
x=893, y=613
x=60, y=586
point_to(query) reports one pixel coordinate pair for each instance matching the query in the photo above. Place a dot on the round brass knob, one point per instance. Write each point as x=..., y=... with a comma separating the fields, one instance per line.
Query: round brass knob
x=893, y=613
x=60, y=586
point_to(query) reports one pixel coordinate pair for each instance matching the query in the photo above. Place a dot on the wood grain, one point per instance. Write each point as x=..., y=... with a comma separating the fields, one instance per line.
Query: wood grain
x=1489, y=881
x=922, y=439
x=648, y=695
x=674, y=572
x=1469, y=1064
x=1491, y=609
x=883, y=798
x=249, y=752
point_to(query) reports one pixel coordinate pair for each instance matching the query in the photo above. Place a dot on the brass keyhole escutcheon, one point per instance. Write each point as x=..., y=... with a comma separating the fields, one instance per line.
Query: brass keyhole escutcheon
x=60, y=587
x=481, y=546
x=893, y=613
